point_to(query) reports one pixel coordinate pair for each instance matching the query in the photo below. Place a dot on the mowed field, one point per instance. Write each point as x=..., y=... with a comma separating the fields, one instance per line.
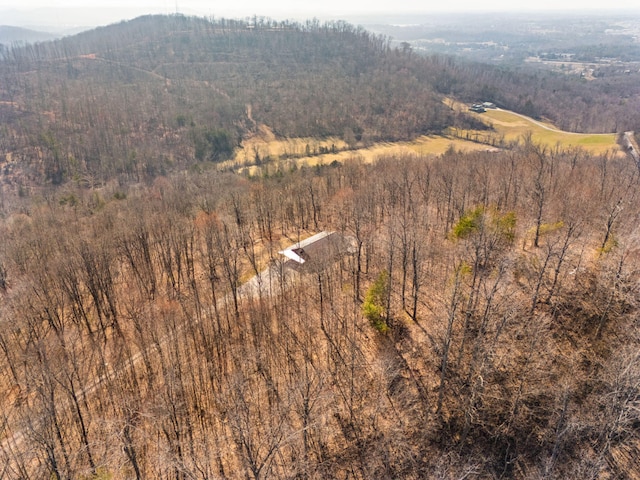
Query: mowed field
x=514, y=126
x=508, y=127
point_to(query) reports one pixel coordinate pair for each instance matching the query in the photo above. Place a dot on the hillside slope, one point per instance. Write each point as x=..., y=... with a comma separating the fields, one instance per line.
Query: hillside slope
x=10, y=35
x=484, y=326
x=144, y=96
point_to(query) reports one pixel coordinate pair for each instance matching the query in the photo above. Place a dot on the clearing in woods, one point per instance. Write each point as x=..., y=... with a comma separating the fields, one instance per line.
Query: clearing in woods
x=514, y=127
x=506, y=128
x=308, y=151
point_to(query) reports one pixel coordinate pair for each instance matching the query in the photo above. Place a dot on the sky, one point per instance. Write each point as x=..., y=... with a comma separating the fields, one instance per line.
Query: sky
x=101, y=12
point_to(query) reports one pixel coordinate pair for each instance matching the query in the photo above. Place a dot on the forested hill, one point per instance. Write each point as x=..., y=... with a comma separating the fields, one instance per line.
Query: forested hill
x=159, y=93
x=15, y=35
x=483, y=323
x=141, y=97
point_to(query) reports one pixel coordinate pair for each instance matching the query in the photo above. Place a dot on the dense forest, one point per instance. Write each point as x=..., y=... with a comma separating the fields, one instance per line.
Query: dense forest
x=500, y=337
x=160, y=93
x=141, y=97
x=483, y=323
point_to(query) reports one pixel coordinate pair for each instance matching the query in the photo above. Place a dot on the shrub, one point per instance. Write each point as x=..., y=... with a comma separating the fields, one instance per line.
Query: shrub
x=502, y=225
x=468, y=224
x=505, y=225
x=373, y=307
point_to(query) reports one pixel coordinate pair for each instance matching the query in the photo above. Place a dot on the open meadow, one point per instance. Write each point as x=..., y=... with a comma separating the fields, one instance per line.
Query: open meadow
x=510, y=127
x=507, y=128
x=515, y=126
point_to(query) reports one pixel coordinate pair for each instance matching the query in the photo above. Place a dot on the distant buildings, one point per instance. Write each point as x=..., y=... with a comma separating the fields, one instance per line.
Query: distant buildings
x=482, y=107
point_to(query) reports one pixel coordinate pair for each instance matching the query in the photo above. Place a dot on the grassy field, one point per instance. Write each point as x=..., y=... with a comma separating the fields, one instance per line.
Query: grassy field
x=299, y=151
x=425, y=145
x=507, y=127
x=514, y=127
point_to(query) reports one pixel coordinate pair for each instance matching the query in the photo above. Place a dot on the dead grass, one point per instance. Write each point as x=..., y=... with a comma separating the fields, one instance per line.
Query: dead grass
x=265, y=146
x=508, y=126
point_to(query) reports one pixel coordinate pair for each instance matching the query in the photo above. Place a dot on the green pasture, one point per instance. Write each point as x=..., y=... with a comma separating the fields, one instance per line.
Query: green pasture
x=515, y=127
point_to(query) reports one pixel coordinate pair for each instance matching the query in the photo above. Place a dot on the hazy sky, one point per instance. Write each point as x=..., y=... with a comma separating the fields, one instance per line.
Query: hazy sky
x=106, y=11
x=326, y=6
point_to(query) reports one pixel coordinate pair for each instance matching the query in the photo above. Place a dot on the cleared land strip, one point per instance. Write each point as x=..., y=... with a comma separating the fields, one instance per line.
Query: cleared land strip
x=506, y=126
x=515, y=126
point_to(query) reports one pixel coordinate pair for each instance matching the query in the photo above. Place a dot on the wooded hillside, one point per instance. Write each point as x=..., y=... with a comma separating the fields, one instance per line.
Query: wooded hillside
x=484, y=324
x=161, y=93
x=146, y=96
x=502, y=339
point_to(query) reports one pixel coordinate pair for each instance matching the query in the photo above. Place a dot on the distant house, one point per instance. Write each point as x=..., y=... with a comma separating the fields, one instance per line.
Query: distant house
x=318, y=251
x=478, y=108
x=489, y=105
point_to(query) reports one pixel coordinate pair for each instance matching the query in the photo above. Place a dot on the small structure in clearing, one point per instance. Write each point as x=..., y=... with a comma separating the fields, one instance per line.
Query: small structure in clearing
x=315, y=253
x=482, y=107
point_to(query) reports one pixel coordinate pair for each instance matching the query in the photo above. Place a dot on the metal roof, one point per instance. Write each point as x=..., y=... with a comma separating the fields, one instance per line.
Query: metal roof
x=296, y=251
